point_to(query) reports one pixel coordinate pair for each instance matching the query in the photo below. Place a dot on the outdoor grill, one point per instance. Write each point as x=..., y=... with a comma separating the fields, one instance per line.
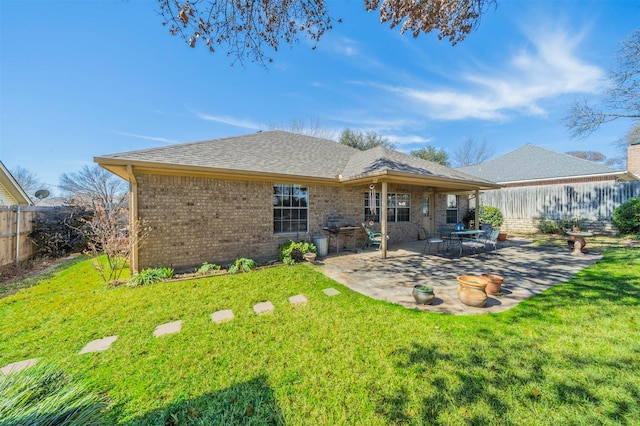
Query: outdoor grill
x=341, y=227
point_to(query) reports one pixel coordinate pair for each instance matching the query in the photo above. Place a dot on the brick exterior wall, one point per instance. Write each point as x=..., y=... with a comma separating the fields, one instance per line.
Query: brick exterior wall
x=192, y=220
x=633, y=159
x=530, y=226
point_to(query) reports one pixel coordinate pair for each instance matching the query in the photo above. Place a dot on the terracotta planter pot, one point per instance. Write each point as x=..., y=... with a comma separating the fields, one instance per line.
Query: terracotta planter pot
x=471, y=290
x=310, y=257
x=423, y=296
x=494, y=282
x=502, y=236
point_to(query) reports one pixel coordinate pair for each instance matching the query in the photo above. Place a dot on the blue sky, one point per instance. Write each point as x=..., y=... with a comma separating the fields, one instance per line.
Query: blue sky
x=85, y=78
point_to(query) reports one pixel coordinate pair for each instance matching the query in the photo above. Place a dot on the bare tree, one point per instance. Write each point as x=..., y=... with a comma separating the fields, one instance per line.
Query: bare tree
x=432, y=154
x=594, y=156
x=364, y=140
x=246, y=29
x=94, y=185
x=472, y=152
x=312, y=127
x=28, y=181
x=621, y=98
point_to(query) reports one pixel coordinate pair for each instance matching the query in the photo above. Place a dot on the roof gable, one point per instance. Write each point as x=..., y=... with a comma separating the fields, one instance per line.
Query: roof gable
x=531, y=162
x=11, y=193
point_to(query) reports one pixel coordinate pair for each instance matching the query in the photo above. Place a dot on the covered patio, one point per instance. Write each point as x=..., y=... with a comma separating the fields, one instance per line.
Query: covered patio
x=527, y=270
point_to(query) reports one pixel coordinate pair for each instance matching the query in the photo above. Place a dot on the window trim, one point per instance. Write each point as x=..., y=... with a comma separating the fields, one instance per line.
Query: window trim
x=390, y=207
x=291, y=190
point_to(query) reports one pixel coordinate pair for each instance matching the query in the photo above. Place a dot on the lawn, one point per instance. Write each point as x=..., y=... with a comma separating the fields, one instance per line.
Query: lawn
x=568, y=356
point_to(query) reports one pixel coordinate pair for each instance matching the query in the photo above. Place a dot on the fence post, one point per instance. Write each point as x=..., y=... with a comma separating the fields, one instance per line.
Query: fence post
x=17, y=235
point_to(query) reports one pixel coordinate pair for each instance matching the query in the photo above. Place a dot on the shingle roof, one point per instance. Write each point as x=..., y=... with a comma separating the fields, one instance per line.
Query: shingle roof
x=531, y=162
x=284, y=153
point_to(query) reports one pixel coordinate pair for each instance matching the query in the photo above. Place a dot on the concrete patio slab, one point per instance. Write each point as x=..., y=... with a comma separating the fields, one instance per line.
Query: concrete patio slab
x=297, y=300
x=527, y=270
x=168, y=328
x=16, y=367
x=332, y=291
x=98, y=345
x=222, y=316
x=262, y=308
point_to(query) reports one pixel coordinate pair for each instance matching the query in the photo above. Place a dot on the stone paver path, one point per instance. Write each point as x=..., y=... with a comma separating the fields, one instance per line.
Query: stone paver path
x=16, y=367
x=168, y=328
x=98, y=345
x=298, y=299
x=222, y=316
x=264, y=307
x=330, y=291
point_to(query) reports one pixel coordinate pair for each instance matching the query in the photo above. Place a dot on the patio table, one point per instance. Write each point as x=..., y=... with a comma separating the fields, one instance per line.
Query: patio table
x=464, y=233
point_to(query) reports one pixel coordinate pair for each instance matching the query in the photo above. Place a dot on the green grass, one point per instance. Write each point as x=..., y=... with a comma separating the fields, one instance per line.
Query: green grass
x=568, y=356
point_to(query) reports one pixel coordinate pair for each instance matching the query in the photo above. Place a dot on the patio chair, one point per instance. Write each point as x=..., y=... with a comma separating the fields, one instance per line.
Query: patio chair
x=493, y=238
x=373, y=238
x=432, y=239
x=476, y=243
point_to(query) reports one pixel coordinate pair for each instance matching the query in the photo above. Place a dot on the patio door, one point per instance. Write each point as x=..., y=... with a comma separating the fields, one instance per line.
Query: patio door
x=428, y=210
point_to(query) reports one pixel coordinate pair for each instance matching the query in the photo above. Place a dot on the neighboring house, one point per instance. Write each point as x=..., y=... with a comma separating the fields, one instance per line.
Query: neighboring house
x=222, y=199
x=531, y=165
x=541, y=184
x=11, y=193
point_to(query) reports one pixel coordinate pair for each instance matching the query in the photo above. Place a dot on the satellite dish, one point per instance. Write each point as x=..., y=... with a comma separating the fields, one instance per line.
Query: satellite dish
x=41, y=194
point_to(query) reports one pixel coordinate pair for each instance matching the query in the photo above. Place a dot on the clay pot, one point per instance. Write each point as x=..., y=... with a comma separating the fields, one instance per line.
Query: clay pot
x=494, y=282
x=502, y=236
x=310, y=257
x=423, y=294
x=471, y=290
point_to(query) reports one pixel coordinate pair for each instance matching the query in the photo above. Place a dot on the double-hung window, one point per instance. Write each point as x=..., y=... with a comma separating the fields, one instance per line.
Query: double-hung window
x=290, y=208
x=398, y=208
x=452, y=208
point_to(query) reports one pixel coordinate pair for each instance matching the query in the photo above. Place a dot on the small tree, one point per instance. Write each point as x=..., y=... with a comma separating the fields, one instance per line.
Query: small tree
x=110, y=234
x=432, y=154
x=364, y=141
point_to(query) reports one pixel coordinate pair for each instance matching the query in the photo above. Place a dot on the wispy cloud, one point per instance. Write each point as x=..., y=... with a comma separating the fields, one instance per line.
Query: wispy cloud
x=232, y=121
x=549, y=68
x=147, y=138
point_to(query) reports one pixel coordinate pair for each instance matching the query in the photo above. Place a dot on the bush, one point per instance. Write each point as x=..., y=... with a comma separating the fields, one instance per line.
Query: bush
x=44, y=396
x=626, y=217
x=242, y=265
x=558, y=226
x=206, y=268
x=488, y=214
x=291, y=252
x=60, y=231
x=150, y=276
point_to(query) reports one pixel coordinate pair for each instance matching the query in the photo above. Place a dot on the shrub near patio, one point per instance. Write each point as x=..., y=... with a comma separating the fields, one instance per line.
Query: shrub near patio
x=567, y=356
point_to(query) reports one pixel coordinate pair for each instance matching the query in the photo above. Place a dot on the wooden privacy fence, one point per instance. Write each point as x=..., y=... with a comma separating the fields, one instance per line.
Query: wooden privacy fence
x=589, y=201
x=16, y=223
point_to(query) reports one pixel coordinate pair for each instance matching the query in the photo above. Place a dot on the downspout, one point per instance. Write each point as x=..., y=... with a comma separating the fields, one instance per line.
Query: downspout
x=477, y=218
x=17, y=234
x=383, y=219
x=133, y=218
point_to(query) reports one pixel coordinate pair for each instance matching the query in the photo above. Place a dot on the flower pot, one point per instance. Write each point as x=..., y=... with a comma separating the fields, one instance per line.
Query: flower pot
x=423, y=294
x=471, y=290
x=502, y=236
x=494, y=282
x=310, y=257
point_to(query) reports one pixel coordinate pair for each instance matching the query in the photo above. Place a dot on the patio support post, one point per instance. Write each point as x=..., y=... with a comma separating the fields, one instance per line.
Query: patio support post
x=133, y=217
x=477, y=218
x=383, y=219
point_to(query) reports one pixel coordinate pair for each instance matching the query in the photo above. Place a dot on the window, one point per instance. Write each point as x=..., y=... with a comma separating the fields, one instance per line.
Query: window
x=452, y=208
x=398, y=208
x=290, y=208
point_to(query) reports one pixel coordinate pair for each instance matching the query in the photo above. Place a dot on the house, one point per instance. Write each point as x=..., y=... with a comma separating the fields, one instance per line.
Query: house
x=531, y=165
x=11, y=193
x=218, y=200
x=541, y=184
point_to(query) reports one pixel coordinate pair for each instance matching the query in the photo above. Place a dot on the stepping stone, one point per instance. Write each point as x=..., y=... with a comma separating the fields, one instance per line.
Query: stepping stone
x=168, y=328
x=298, y=300
x=98, y=345
x=16, y=367
x=222, y=316
x=261, y=308
x=330, y=291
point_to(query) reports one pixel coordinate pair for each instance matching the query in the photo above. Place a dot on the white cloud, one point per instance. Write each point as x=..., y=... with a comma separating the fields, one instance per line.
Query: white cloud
x=548, y=69
x=148, y=138
x=246, y=124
